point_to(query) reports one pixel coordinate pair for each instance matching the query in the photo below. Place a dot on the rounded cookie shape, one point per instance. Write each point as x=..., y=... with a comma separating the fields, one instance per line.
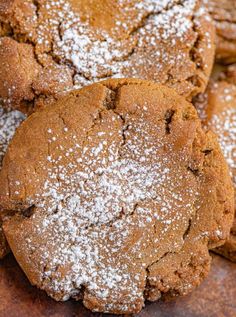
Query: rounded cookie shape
x=224, y=14
x=76, y=43
x=218, y=113
x=115, y=194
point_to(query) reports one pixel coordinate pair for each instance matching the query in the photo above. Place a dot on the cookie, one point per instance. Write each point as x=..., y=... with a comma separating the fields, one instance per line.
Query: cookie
x=9, y=121
x=218, y=112
x=48, y=48
x=224, y=15
x=115, y=194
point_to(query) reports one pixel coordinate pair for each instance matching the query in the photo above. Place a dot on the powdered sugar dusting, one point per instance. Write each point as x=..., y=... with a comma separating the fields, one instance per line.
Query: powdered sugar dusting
x=109, y=57
x=223, y=14
x=217, y=110
x=78, y=43
x=96, y=53
x=106, y=208
x=224, y=125
x=9, y=121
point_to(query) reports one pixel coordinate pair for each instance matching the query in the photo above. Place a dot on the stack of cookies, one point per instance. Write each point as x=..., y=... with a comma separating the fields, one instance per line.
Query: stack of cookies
x=118, y=152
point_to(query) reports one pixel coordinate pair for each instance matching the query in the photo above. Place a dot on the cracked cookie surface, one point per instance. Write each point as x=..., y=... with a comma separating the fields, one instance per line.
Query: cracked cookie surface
x=48, y=47
x=217, y=109
x=224, y=14
x=122, y=199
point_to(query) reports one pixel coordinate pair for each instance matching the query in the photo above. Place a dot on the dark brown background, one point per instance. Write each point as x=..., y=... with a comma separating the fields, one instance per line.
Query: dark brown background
x=216, y=297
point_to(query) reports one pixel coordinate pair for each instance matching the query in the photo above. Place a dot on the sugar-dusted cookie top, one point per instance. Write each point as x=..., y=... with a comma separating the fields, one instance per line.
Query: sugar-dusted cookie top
x=224, y=14
x=219, y=114
x=49, y=47
x=115, y=194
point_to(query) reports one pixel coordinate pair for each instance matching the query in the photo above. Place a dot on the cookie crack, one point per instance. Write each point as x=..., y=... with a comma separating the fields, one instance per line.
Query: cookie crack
x=148, y=15
x=185, y=235
x=136, y=29
x=27, y=213
x=194, y=171
x=195, y=57
x=186, y=232
x=120, y=216
x=37, y=6
x=97, y=119
x=110, y=103
x=110, y=100
x=6, y=29
x=168, y=119
x=143, y=22
x=60, y=116
x=148, y=287
x=207, y=151
x=194, y=52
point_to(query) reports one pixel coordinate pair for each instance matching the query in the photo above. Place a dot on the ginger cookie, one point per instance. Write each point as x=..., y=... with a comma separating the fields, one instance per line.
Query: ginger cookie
x=224, y=14
x=9, y=121
x=217, y=109
x=49, y=47
x=115, y=195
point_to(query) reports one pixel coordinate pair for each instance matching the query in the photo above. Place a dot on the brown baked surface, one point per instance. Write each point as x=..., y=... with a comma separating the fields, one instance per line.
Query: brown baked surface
x=50, y=47
x=217, y=108
x=115, y=194
x=214, y=297
x=224, y=14
x=9, y=121
x=228, y=250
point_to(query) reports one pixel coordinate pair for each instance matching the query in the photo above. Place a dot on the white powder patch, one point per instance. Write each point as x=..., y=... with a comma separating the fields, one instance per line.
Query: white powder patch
x=224, y=126
x=107, y=57
x=9, y=121
x=97, y=54
x=91, y=208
